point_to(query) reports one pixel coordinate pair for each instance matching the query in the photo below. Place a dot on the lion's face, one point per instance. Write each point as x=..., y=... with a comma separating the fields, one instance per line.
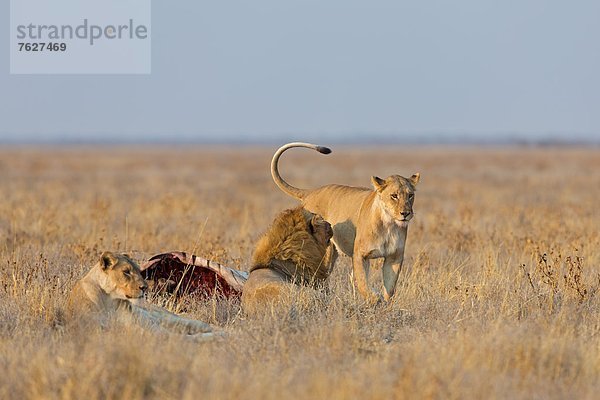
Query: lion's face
x=397, y=194
x=320, y=229
x=124, y=279
x=297, y=236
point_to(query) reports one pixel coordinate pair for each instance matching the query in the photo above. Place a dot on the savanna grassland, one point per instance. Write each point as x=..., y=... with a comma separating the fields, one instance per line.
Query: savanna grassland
x=499, y=296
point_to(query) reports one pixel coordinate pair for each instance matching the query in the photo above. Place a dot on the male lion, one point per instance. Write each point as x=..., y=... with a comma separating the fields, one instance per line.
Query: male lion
x=295, y=251
x=115, y=286
x=366, y=223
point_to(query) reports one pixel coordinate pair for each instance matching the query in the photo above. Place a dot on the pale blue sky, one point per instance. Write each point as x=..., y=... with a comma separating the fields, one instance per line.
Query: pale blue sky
x=271, y=69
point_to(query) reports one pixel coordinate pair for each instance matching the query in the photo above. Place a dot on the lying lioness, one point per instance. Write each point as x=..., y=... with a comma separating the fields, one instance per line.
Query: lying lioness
x=115, y=286
x=295, y=251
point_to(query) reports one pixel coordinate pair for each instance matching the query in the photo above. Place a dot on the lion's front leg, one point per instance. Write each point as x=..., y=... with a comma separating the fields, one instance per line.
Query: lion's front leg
x=361, y=265
x=391, y=271
x=184, y=325
x=158, y=316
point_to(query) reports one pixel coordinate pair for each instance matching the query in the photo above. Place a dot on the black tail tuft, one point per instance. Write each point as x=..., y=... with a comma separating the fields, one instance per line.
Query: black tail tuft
x=323, y=150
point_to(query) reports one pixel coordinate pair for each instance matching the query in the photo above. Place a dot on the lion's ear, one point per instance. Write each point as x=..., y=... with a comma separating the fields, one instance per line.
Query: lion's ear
x=305, y=213
x=415, y=178
x=313, y=224
x=107, y=260
x=378, y=183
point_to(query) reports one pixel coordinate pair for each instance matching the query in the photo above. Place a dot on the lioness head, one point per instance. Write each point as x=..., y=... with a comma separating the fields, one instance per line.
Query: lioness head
x=123, y=277
x=396, y=194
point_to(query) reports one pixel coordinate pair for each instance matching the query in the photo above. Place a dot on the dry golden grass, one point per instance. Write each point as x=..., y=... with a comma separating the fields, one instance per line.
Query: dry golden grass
x=480, y=311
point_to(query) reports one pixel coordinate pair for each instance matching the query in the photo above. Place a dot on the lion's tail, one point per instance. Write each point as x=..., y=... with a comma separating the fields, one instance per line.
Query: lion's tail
x=283, y=185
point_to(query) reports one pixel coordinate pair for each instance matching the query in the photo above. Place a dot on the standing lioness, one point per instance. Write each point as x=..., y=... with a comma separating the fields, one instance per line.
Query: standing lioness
x=366, y=223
